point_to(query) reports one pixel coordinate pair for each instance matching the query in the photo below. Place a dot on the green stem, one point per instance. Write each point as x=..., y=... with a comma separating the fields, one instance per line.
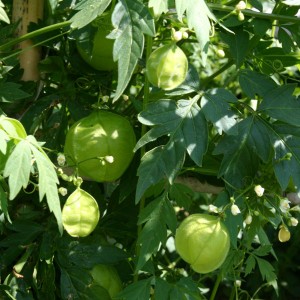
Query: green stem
x=216, y=286
x=218, y=72
x=149, y=43
x=252, y=13
x=35, y=33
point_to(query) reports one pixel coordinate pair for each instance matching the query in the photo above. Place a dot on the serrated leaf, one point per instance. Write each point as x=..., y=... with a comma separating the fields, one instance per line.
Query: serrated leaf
x=286, y=142
x=89, y=10
x=159, y=215
x=241, y=151
x=216, y=108
x=238, y=44
x=18, y=167
x=182, y=194
x=254, y=83
x=139, y=290
x=185, y=288
x=267, y=271
x=281, y=104
x=3, y=15
x=10, y=92
x=3, y=141
x=183, y=120
x=263, y=250
x=159, y=6
x=158, y=163
x=131, y=20
x=199, y=19
x=48, y=181
x=250, y=265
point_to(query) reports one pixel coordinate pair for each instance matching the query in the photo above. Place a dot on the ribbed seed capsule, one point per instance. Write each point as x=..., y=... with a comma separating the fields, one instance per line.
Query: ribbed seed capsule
x=167, y=67
x=80, y=214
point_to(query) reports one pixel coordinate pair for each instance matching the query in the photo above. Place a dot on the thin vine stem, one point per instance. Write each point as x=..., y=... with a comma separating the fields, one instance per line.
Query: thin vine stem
x=149, y=43
x=216, y=286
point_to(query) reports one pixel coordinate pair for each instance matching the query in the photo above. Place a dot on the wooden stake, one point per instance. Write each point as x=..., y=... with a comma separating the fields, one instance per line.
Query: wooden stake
x=26, y=11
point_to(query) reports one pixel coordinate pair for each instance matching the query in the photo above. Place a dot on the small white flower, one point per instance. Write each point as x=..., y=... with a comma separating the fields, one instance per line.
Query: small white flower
x=294, y=221
x=235, y=209
x=109, y=159
x=248, y=220
x=241, y=5
x=259, y=190
x=238, y=283
x=284, y=205
x=63, y=191
x=212, y=208
x=273, y=210
x=61, y=159
x=220, y=53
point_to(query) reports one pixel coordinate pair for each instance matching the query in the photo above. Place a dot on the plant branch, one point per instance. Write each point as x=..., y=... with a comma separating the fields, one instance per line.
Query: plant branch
x=252, y=13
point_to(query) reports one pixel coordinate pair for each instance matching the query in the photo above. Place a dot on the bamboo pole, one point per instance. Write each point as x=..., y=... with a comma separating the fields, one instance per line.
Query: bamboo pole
x=25, y=12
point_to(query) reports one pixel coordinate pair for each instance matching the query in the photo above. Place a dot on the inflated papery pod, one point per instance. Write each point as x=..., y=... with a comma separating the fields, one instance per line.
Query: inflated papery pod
x=25, y=12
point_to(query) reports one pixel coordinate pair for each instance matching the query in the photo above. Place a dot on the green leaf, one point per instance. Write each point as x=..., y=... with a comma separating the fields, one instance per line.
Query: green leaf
x=216, y=108
x=267, y=271
x=281, y=104
x=158, y=163
x=86, y=255
x=4, y=138
x=238, y=44
x=241, y=152
x=159, y=6
x=262, y=250
x=139, y=290
x=3, y=14
x=162, y=289
x=132, y=20
x=184, y=289
x=199, y=19
x=48, y=181
x=254, y=83
x=274, y=59
x=13, y=128
x=250, y=265
x=10, y=92
x=3, y=203
x=89, y=10
x=18, y=168
x=159, y=215
x=182, y=194
x=286, y=143
x=183, y=120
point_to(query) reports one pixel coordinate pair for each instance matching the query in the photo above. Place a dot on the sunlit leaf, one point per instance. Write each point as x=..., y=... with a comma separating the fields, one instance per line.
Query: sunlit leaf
x=131, y=20
x=88, y=11
x=215, y=105
x=18, y=168
x=281, y=104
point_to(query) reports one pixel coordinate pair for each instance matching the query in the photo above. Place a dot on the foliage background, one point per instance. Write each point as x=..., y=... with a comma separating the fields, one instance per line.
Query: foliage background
x=233, y=123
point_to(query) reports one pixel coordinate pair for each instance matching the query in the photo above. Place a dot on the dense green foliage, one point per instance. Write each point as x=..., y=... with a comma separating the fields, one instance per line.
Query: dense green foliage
x=225, y=142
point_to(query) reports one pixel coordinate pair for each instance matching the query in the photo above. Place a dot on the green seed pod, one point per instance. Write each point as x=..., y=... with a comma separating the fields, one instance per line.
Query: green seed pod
x=203, y=241
x=80, y=214
x=167, y=67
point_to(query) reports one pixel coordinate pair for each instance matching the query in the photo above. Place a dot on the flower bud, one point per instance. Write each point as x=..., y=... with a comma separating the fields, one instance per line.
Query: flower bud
x=235, y=209
x=241, y=16
x=212, y=208
x=294, y=221
x=63, y=191
x=284, y=205
x=61, y=159
x=248, y=219
x=259, y=190
x=284, y=234
x=241, y=5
